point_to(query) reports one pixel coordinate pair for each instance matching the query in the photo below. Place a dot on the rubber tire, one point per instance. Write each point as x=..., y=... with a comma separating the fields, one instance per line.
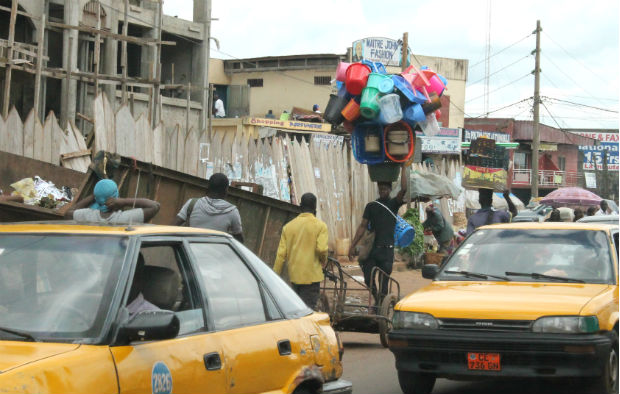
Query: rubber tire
x=387, y=310
x=607, y=383
x=416, y=383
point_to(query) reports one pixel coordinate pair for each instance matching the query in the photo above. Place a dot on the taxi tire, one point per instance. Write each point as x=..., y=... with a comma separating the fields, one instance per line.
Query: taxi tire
x=607, y=383
x=387, y=310
x=415, y=382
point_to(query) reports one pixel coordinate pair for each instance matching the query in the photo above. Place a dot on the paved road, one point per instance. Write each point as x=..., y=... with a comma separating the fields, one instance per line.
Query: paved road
x=371, y=369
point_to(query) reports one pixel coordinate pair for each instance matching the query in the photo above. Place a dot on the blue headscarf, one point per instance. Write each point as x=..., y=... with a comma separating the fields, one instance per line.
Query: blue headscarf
x=104, y=189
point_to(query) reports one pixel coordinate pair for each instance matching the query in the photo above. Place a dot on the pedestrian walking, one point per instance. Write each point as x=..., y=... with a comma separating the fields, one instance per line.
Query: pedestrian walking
x=212, y=211
x=591, y=211
x=442, y=229
x=486, y=214
x=218, y=107
x=377, y=215
x=555, y=216
x=303, y=246
x=105, y=206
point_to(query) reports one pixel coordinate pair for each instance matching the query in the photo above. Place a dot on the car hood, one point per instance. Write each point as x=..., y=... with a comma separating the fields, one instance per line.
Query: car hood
x=499, y=300
x=15, y=354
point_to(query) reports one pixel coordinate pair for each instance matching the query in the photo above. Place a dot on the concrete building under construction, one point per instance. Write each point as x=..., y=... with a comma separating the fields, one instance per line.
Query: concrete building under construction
x=57, y=54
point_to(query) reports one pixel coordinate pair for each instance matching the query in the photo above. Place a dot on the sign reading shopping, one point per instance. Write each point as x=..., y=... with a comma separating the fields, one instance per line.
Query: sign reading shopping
x=594, y=154
x=378, y=49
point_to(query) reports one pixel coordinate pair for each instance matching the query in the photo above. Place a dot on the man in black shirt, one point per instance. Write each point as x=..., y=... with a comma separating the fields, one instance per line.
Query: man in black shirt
x=377, y=218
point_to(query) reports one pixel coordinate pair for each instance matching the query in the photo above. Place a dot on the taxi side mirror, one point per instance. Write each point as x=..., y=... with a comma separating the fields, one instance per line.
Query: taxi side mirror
x=429, y=271
x=150, y=325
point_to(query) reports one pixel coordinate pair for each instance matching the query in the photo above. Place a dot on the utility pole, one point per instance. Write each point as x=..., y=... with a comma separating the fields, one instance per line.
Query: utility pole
x=536, y=137
x=403, y=66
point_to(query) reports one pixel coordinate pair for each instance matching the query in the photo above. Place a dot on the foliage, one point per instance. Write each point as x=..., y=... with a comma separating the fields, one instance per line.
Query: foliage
x=412, y=216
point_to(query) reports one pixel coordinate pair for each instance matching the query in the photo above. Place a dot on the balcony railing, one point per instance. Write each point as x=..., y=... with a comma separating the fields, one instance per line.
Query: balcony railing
x=546, y=178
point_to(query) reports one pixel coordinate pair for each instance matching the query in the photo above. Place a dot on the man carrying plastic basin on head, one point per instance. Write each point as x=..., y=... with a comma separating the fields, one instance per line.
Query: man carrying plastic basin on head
x=379, y=216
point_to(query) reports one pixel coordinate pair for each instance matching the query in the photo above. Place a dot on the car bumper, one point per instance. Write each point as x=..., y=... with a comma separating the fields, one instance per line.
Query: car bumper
x=339, y=386
x=444, y=353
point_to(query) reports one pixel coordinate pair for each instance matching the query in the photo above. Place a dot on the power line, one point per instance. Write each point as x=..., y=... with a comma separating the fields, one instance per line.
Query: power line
x=582, y=105
x=574, y=58
x=504, y=107
x=500, y=51
x=569, y=77
x=501, y=87
x=500, y=70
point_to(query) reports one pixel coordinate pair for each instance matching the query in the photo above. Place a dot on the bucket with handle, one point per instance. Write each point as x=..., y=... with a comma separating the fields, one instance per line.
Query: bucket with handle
x=399, y=139
x=390, y=108
x=356, y=78
x=351, y=111
x=369, y=106
x=404, y=233
x=341, y=71
x=334, y=106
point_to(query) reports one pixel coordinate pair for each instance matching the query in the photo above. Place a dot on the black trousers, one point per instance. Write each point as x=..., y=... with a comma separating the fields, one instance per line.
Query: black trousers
x=382, y=258
x=309, y=293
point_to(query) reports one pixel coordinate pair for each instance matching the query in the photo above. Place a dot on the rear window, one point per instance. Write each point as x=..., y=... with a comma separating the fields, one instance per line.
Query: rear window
x=581, y=255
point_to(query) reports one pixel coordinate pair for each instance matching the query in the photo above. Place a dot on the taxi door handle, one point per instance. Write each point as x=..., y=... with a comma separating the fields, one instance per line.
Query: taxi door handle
x=213, y=362
x=284, y=347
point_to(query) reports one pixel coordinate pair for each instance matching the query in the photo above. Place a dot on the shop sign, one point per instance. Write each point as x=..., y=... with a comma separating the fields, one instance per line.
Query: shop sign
x=288, y=124
x=447, y=142
x=377, y=49
x=593, y=155
x=469, y=135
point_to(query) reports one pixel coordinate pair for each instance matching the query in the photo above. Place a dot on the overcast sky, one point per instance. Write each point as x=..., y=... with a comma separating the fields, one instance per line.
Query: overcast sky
x=579, y=63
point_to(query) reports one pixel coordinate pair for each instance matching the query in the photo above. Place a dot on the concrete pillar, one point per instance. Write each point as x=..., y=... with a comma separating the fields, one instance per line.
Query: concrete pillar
x=202, y=14
x=69, y=61
x=109, y=54
x=150, y=58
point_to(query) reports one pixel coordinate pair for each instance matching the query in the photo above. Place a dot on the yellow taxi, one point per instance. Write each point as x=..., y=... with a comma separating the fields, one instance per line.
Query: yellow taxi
x=521, y=300
x=153, y=309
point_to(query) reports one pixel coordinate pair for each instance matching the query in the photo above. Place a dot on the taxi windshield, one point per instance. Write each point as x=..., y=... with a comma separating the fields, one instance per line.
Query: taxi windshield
x=571, y=256
x=57, y=287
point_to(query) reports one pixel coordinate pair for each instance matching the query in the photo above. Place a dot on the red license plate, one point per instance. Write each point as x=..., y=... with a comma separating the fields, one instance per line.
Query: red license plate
x=483, y=361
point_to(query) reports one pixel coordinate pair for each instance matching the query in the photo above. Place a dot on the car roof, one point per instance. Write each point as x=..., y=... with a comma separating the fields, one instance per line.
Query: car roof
x=552, y=226
x=599, y=218
x=99, y=228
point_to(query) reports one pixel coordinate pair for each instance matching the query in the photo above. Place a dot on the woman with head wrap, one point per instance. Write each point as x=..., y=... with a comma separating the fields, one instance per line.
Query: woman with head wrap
x=105, y=206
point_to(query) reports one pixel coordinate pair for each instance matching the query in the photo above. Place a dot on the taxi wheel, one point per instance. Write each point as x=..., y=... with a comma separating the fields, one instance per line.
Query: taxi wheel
x=608, y=382
x=416, y=383
x=387, y=310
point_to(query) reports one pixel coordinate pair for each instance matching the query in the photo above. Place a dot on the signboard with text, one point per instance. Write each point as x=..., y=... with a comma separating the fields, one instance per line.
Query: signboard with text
x=378, y=49
x=288, y=124
x=593, y=155
x=469, y=135
x=447, y=142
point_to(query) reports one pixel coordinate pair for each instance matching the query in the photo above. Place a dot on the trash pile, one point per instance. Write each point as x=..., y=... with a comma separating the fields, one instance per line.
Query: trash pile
x=36, y=191
x=382, y=111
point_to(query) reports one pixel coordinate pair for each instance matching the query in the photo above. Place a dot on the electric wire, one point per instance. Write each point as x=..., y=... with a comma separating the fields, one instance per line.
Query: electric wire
x=582, y=105
x=500, y=51
x=501, y=87
x=574, y=58
x=500, y=70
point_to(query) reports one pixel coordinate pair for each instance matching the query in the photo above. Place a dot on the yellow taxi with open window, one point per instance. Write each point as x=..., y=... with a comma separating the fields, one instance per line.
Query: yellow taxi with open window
x=521, y=300
x=153, y=309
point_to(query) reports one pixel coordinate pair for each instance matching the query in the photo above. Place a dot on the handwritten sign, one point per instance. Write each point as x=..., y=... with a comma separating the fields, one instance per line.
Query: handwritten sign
x=288, y=124
x=378, y=49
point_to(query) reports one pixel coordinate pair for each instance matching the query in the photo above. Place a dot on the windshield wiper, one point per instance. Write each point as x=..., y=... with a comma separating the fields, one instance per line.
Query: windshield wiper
x=20, y=334
x=477, y=275
x=536, y=275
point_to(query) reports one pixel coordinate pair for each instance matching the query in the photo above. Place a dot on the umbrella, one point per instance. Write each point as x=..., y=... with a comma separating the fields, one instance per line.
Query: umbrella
x=571, y=196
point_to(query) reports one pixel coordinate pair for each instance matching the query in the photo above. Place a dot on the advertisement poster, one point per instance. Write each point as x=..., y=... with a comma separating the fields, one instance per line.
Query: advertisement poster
x=447, y=142
x=593, y=155
x=377, y=49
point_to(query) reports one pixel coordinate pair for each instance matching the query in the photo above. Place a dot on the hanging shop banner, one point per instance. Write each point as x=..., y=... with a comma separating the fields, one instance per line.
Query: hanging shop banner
x=288, y=124
x=378, y=49
x=469, y=135
x=590, y=180
x=593, y=155
x=447, y=142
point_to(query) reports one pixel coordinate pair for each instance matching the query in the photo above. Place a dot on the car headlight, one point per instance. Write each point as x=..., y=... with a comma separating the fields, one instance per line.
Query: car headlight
x=566, y=324
x=413, y=320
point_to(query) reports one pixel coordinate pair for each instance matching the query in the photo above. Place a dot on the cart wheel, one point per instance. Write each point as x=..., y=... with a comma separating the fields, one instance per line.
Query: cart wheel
x=323, y=305
x=387, y=310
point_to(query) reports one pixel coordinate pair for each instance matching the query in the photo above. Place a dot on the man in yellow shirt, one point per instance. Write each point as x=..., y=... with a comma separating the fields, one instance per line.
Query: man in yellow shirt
x=303, y=246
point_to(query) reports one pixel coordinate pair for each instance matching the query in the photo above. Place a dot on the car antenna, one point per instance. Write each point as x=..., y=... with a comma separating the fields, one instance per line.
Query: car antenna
x=135, y=195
